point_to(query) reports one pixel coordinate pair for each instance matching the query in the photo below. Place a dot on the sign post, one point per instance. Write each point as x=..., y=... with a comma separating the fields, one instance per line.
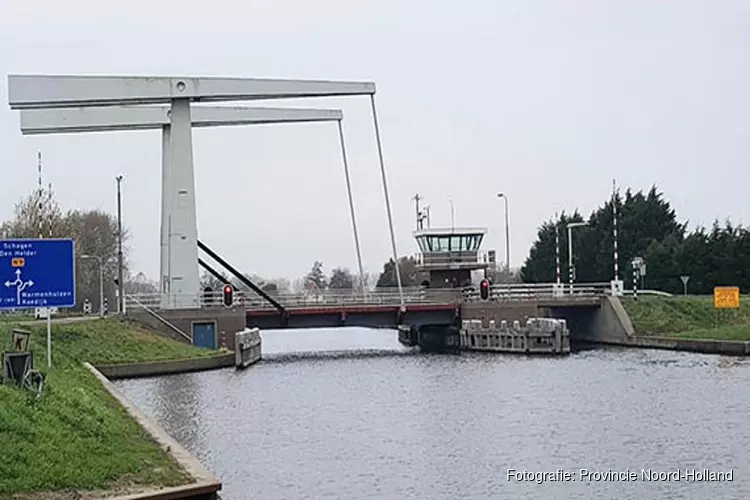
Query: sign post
x=38, y=273
x=685, y=280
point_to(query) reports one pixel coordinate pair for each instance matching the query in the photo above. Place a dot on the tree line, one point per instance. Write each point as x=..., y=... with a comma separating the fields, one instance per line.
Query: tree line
x=648, y=227
x=95, y=234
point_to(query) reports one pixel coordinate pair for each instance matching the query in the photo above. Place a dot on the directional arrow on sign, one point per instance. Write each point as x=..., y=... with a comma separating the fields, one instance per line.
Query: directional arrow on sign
x=20, y=285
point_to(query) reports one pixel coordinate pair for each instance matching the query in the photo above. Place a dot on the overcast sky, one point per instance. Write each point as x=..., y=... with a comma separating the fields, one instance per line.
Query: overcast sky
x=546, y=101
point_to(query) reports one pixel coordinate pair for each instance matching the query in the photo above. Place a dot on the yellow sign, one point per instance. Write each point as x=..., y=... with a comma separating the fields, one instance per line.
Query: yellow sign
x=17, y=262
x=727, y=297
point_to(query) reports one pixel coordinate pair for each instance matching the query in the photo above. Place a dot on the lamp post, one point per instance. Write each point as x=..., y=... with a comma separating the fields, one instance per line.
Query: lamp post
x=507, y=233
x=120, y=296
x=101, y=281
x=571, y=273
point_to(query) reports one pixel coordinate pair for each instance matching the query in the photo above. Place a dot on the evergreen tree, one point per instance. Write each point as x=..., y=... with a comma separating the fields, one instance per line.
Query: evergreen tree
x=341, y=278
x=409, y=275
x=316, y=276
x=648, y=228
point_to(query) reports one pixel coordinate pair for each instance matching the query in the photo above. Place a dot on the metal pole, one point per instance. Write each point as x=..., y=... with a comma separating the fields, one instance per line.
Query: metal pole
x=453, y=216
x=351, y=207
x=416, y=208
x=557, y=250
x=507, y=236
x=101, y=286
x=570, y=257
x=387, y=200
x=49, y=338
x=614, y=229
x=635, y=282
x=120, y=284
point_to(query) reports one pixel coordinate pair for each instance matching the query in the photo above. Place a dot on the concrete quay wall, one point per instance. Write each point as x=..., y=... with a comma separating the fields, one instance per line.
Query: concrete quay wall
x=705, y=346
x=166, y=367
x=205, y=486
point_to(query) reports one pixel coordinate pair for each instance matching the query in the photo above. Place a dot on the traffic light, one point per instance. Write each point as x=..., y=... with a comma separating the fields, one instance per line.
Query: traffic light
x=484, y=289
x=228, y=299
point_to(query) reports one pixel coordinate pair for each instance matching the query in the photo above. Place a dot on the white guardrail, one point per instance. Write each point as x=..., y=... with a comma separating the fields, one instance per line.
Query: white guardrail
x=252, y=301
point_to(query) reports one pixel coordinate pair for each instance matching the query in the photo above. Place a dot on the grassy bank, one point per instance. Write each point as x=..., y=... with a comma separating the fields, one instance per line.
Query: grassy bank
x=688, y=317
x=77, y=436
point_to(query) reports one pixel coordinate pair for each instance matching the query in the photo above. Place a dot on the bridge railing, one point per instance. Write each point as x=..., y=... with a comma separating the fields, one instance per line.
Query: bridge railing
x=541, y=291
x=161, y=301
x=250, y=300
x=390, y=296
x=354, y=298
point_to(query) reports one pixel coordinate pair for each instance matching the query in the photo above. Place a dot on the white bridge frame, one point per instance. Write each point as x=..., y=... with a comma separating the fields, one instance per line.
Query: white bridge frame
x=26, y=92
x=83, y=120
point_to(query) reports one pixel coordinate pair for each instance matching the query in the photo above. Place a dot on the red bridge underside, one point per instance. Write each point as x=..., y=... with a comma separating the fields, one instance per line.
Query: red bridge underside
x=353, y=309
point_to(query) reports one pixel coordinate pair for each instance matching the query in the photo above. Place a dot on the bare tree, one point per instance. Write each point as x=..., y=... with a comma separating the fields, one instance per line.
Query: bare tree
x=94, y=232
x=209, y=280
x=139, y=284
x=368, y=283
x=283, y=285
x=38, y=215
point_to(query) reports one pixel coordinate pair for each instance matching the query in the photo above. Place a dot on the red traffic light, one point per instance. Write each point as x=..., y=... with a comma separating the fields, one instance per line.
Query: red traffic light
x=484, y=289
x=228, y=295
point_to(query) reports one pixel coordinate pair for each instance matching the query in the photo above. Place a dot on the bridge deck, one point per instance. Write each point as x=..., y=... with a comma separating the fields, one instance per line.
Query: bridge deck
x=379, y=308
x=352, y=309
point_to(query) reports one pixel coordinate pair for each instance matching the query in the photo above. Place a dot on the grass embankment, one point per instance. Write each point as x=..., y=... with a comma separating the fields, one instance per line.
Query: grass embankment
x=688, y=317
x=77, y=436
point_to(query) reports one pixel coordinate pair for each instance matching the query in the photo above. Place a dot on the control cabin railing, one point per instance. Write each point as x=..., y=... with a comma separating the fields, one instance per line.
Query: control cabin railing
x=447, y=259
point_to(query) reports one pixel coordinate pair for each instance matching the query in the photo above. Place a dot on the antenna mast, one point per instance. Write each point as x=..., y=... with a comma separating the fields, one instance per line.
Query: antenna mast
x=416, y=199
x=453, y=215
x=44, y=201
x=40, y=194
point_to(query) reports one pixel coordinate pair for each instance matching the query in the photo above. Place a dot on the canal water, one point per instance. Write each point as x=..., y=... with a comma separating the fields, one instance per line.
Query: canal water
x=351, y=414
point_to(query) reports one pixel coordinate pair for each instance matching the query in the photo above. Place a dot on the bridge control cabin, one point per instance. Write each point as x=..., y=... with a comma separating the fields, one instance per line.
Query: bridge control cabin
x=449, y=256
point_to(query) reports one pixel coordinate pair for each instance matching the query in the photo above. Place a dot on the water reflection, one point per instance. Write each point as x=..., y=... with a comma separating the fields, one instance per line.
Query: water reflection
x=177, y=404
x=433, y=427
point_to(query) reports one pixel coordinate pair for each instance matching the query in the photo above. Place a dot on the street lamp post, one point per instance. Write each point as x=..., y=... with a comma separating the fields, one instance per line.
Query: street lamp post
x=507, y=233
x=120, y=287
x=101, y=281
x=571, y=272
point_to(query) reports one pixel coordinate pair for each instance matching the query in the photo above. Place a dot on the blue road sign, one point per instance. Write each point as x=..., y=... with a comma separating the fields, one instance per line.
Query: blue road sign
x=37, y=273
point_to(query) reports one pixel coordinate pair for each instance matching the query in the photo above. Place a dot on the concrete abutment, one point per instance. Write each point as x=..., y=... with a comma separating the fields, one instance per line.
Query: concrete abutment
x=598, y=320
x=226, y=321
